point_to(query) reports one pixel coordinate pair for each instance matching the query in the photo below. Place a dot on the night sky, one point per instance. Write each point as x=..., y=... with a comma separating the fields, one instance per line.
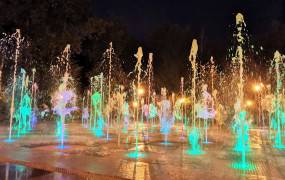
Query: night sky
x=215, y=19
x=142, y=16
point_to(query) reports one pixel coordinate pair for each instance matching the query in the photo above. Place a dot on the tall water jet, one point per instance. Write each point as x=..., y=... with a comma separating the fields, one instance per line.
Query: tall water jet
x=3, y=44
x=267, y=103
x=6, y=52
x=177, y=109
x=205, y=109
x=101, y=91
x=122, y=111
x=1, y=71
x=192, y=59
x=61, y=100
x=91, y=108
x=183, y=115
x=279, y=116
x=34, y=99
x=12, y=108
x=150, y=77
x=212, y=71
x=96, y=111
x=64, y=99
x=126, y=115
x=194, y=135
x=241, y=126
x=83, y=115
x=23, y=106
x=87, y=109
x=110, y=53
x=98, y=121
x=165, y=115
x=137, y=88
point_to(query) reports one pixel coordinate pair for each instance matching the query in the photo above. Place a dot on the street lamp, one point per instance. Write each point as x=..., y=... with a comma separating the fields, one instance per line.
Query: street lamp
x=249, y=103
x=181, y=100
x=135, y=104
x=257, y=87
x=140, y=91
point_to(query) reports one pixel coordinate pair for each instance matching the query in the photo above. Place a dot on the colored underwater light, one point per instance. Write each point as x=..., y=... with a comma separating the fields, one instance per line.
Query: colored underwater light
x=136, y=155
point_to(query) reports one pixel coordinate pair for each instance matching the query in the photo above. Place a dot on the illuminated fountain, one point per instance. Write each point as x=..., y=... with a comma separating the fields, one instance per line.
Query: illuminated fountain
x=148, y=112
x=85, y=110
x=17, y=35
x=213, y=72
x=137, y=98
x=122, y=111
x=183, y=114
x=61, y=106
x=241, y=125
x=278, y=118
x=85, y=113
x=194, y=135
x=110, y=53
x=267, y=103
x=34, y=99
x=98, y=122
x=112, y=108
x=126, y=116
x=22, y=115
x=178, y=114
x=178, y=109
x=150, y=76
x=152, y=112
x=205, y=110
x=6, y=52
x=23, y=109
x=96, y=115
x=220, y=113
x=165, y=116
x=64, y=99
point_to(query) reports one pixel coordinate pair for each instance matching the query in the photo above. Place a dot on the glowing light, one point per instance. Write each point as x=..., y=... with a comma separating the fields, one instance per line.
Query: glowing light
x=195, y=152
x=277, y=120
x=140, y=91
x=249, y=103
x=96, y=115
x=152, y=111
x=194, y=138
x=62, y=147
x=136, y=155
x=63, y=101
x=135, y=104
x=182, y=100
x=258, y=87
x=9, y=140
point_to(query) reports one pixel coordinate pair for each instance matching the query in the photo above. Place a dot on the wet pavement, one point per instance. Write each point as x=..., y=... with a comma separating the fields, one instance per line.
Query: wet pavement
x=89, y=157
x=18, y=172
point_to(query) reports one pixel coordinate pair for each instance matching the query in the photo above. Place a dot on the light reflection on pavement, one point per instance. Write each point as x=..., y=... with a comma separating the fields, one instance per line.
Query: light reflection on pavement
x=163, y=161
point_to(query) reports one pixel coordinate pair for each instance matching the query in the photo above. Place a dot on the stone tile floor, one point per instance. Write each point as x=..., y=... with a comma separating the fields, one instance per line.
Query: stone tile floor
x=89, y=157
